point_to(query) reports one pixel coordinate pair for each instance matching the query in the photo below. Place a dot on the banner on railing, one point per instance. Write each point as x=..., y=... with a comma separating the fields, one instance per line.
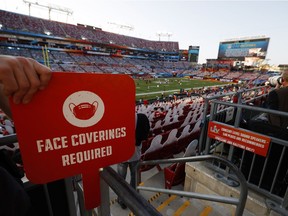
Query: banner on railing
x=244, y=139
x=82, y=122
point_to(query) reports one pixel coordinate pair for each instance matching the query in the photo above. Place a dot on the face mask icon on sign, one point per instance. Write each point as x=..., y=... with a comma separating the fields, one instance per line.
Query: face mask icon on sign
x=84, y=110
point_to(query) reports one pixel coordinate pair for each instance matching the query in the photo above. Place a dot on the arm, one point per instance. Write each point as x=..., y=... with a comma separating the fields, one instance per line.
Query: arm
x=273, y=100
x=20, y=78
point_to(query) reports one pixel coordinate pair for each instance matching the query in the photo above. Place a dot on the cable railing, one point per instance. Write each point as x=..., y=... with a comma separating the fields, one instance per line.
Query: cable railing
x=265, y=175
x=242, y=99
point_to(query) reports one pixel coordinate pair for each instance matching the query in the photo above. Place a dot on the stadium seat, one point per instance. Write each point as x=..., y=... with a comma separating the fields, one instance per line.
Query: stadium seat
x=153, y=152
x=169, y=145
x=189, y=135
x=175, y=173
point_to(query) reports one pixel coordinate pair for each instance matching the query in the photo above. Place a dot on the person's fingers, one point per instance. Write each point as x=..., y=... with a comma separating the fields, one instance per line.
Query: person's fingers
x=38, y=76
x=23, y=77
x=44, y=74
x=9, y=71
x=6, y=75
x=29, y=86
x=8, y=81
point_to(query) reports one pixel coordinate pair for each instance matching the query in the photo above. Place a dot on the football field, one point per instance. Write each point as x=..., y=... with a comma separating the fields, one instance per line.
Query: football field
x=155, y=87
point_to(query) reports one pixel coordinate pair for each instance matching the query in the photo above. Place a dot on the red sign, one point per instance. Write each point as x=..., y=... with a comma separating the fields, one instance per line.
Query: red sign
x=79, y=124
x=247, y=140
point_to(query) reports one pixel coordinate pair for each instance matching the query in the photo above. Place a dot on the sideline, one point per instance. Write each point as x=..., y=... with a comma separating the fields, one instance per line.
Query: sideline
x=177, y=90
x=158, y=92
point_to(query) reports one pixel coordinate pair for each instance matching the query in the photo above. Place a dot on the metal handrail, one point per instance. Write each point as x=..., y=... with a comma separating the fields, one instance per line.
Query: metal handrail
x=213, y=98
x=240, y=203
x=136, y=203
x=282, y=203
x=252, y=108
x=8, y=139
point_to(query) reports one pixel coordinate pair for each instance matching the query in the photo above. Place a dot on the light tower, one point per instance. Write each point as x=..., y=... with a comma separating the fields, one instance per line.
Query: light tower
x=169, y=34
x=122, y=26
x=159, y=34
x=50, y=7
x=164, y=34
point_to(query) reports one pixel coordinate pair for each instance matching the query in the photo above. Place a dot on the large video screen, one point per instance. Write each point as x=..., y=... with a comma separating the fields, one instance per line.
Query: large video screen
x=238, y=50
x=193, y=54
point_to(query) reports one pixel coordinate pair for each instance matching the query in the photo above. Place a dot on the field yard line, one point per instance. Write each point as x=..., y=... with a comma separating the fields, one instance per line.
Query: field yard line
x=177, y=90
x=147, y=93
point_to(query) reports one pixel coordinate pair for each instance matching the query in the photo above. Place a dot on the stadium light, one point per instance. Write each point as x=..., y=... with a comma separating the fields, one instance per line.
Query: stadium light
x=159, y=35
x=169, y=34
x=47, y=33
x=122, y=26
x=164, y=34
x=49, y=6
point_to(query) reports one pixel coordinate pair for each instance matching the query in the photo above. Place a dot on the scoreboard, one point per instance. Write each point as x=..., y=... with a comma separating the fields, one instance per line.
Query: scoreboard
x=242, y=49
x=193, y=54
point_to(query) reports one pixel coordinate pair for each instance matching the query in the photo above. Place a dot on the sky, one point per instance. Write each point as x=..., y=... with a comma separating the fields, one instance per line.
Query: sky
x=190, y=22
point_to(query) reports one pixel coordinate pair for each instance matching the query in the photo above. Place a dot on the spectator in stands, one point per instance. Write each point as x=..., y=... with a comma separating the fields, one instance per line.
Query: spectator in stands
x=142, y=131
x=20, y=79
x=277, y=100
x=145, y=102
x=235, y=97
x=160, y=112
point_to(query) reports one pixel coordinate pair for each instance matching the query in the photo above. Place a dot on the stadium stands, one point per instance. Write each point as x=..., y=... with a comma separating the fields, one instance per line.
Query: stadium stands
x=24, y=23
x=182, y=120
x=61, y=49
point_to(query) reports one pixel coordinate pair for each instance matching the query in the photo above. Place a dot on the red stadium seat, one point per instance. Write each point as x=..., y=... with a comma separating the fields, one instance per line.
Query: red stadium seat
x=175, y=173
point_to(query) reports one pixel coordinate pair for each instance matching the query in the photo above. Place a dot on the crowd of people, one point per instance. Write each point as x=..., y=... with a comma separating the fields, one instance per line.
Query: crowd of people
x=20, y=22
x=67, y=61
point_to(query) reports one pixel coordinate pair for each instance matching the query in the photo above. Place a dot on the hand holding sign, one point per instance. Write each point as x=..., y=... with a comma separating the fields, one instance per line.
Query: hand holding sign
x=78, y=125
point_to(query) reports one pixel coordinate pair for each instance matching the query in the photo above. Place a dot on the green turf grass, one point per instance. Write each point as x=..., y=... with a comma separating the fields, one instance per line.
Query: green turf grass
x=149, y=89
